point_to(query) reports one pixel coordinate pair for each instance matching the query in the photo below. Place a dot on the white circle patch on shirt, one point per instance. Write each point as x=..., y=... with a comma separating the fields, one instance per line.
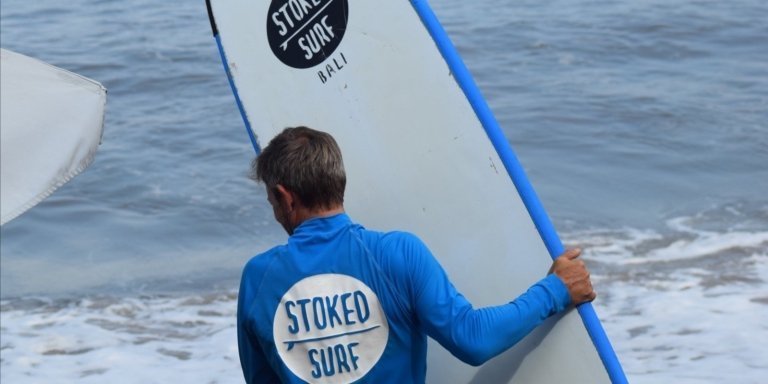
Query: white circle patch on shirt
x=330, y=328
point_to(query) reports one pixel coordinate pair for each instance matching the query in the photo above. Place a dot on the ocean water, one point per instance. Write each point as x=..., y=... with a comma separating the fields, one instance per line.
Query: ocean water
x=643, y=126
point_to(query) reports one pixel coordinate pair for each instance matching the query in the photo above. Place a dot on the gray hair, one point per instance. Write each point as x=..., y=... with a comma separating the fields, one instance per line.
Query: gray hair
x=304, y=161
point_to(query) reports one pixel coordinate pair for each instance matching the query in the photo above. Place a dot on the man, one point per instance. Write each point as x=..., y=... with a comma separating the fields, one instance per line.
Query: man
x=339, y=303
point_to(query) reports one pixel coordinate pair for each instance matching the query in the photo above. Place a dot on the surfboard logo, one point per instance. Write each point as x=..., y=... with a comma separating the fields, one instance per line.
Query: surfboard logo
x=330, y=328
x=303, y=33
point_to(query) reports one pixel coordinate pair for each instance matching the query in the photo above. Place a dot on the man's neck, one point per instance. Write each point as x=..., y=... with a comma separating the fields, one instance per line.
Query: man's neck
x=320, y=213
x=303, y=214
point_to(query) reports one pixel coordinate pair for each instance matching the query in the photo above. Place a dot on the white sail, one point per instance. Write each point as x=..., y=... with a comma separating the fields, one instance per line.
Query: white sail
x=51, y=122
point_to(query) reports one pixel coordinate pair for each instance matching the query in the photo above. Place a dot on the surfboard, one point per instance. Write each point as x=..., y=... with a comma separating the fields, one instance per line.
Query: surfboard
x=423, y=153
x=51, y=126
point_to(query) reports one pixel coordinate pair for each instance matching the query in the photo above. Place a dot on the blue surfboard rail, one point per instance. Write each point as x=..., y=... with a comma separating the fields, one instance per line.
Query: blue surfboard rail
x=232, y=85
x=514, y=168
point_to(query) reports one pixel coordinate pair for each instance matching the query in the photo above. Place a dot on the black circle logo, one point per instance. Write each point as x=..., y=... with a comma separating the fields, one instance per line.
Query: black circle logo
x=303, y=33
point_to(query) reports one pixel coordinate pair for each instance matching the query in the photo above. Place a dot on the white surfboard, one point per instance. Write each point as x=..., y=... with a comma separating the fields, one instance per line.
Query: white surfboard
x=423, y=153
x=51, y=122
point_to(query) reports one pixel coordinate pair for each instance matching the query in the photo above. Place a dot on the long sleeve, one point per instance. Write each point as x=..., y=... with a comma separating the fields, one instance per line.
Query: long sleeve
x=476, y=335
x=256, y=369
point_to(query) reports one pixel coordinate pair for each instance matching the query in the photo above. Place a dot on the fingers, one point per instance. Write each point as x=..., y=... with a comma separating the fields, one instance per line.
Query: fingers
x=589, y=297
x=584, y=293
x=575, y=275
x=572, y=253
x=565, y=258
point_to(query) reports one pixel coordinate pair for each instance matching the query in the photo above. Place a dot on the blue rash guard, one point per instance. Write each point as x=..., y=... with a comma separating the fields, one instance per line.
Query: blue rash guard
x=339, y=304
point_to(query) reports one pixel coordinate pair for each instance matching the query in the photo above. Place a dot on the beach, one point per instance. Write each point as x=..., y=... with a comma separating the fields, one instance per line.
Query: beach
x=642, y=126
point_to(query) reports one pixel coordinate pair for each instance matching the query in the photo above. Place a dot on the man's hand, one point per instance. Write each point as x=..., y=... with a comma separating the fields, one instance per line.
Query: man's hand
x=572, y=271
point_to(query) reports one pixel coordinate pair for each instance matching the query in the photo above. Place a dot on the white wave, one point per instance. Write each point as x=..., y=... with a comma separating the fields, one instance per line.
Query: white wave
x=683, y=305
x=630, y=246
x=699, y=320
x=133, y=340
x=705, y=243
x=678, y=328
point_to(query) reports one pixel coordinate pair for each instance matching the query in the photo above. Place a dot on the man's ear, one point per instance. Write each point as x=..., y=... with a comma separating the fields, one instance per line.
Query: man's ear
x=285, y=198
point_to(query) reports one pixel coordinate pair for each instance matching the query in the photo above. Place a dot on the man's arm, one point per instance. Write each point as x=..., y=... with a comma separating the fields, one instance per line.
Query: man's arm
x=477, y=335
x=254, y=363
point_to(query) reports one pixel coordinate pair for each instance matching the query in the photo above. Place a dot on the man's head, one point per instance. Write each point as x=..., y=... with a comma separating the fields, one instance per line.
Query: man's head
x=306, y=163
